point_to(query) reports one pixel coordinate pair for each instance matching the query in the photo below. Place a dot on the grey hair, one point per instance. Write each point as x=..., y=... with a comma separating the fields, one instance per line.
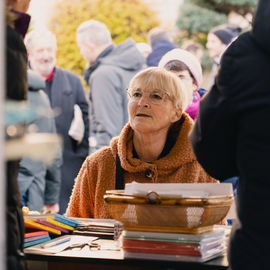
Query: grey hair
x=34, y=35
x=94, y=32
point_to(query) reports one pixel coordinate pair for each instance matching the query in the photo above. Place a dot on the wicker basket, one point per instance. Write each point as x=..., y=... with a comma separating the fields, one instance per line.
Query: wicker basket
x=175, y=214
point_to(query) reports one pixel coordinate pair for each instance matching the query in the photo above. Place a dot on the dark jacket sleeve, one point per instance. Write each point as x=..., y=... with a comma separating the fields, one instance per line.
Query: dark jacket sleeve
x=53, y=172
x=53, y=177
x=213, y=136
x=83, y=104
x=53, y=182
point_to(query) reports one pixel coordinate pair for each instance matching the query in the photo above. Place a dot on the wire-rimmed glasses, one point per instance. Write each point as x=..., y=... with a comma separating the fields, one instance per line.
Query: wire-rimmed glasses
x=155, y=96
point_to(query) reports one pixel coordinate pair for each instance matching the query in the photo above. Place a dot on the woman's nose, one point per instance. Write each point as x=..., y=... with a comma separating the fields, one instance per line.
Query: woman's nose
x=144, y=100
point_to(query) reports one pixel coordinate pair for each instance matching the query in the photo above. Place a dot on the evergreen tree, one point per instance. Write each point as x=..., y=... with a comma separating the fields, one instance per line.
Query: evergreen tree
x=197, y=17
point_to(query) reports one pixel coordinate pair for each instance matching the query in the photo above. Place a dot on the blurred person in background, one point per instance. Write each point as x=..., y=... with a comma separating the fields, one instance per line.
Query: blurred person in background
x=110, y=69
x=145, y=49
x=39, y=185
x=195, y=48
x=161, y=42
x=65, y=92
x=218, y=40
x=17, y=22
x=187, y=67
x=152, y=148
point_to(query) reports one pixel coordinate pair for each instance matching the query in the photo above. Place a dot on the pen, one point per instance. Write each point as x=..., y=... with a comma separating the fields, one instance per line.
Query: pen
x=55, y=243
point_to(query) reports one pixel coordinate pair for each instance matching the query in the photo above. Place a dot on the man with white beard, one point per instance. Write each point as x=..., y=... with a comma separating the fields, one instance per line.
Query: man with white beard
x=65, y=92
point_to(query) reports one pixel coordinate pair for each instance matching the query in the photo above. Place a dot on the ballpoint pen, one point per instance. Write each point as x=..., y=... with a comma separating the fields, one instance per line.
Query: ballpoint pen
x=55, y=243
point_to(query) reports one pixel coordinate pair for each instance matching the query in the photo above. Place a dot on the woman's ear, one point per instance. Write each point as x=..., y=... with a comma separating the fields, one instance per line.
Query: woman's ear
x=177, y=115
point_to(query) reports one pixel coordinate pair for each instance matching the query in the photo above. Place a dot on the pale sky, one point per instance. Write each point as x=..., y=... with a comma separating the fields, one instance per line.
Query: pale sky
x=39, y=12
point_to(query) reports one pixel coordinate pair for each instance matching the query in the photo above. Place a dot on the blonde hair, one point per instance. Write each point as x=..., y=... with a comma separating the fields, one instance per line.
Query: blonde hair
x=159, y=78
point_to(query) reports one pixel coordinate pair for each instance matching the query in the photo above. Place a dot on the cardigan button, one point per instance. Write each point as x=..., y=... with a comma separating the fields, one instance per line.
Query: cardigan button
x=149, y=174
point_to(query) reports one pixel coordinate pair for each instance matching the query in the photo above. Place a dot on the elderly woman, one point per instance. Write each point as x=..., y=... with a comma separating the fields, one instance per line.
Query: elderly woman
x=188, y=68
x=152, y=148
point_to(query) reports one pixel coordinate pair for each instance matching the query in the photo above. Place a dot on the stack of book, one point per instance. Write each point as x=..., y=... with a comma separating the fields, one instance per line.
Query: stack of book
x=174, y=246
x=102, y=228
x=54, y=224
x=34, y=238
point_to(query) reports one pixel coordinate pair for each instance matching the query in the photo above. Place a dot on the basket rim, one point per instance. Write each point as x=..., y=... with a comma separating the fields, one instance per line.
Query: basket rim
x=114, y=196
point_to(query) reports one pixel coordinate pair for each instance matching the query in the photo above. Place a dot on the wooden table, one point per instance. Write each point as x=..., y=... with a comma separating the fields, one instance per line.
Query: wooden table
x=112, y=260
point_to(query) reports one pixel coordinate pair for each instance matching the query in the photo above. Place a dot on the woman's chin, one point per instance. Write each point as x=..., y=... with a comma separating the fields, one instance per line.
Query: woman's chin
x=142, y=127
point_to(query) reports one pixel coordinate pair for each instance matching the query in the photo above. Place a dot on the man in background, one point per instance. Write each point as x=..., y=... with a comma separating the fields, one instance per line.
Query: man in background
x=161, y=42
x=65, y=92
x=110, y=69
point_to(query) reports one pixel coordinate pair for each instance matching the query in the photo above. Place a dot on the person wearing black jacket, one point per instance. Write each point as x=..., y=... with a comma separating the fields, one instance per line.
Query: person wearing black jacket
x=16, y=89
x=232, y=137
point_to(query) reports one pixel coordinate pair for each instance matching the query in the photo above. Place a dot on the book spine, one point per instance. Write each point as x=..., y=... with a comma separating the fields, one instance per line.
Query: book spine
x=37, y=233
x=29, y=239
x=32, y=224
x=46, y=223
x=39, y=241
x=66, y=220
x=60, y=224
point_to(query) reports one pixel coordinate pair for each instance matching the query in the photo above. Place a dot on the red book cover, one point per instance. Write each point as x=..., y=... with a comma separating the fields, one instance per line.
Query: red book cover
x=33, y=238
x=36, y=233
x=157, y=247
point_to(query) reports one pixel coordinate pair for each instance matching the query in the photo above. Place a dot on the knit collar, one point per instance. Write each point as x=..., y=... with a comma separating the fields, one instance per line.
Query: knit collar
x=180, y=153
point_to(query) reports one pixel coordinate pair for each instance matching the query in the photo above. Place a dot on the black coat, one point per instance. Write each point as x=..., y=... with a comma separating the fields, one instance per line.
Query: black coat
x=16, y=74
x=64, y=92
x=232, y=137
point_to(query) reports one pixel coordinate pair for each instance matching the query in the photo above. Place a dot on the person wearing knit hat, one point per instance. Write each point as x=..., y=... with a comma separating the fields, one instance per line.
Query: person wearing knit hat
x=218, y=39
x=161, y=42
x=187, y=67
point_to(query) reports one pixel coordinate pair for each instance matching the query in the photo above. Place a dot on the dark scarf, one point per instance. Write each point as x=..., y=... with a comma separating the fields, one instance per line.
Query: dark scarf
x=88, y=71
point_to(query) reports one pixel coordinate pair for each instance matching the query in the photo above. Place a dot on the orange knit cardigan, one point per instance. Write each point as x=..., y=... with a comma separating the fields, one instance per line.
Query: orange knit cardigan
x=97, y=173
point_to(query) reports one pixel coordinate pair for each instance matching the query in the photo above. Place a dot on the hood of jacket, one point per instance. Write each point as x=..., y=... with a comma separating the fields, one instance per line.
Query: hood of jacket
x=125, y=56
x=261, y=25
x=35, y=81
x=180, y=154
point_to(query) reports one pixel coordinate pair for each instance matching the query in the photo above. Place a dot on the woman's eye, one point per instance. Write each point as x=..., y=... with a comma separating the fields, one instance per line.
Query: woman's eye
x=156, y=96
x=137, y=94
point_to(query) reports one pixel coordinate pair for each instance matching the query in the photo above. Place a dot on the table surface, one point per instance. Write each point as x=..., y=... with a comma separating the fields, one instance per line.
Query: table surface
x=114, y=259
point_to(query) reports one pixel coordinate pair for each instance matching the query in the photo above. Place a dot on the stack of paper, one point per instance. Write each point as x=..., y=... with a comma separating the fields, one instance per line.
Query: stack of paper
x=174, y=246
x=68, y=244
x=34, y=238
x=106, y=229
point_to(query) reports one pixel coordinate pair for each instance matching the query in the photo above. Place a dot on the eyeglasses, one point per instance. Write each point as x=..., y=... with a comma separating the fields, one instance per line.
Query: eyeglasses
x=155, y=96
